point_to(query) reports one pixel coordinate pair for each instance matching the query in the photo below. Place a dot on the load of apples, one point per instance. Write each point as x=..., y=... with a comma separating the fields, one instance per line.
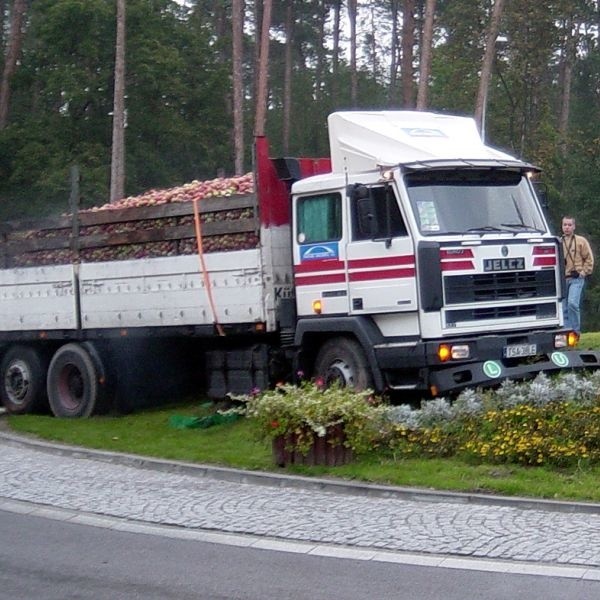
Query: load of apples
x=195, y=190
x=172, y=244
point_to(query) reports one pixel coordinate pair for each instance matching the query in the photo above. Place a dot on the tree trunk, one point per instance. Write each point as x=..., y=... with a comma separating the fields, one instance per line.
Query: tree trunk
x=486, y=67
x=287, y=81
x=13, y=50
x=373, y=44
x=117, y=171
x=263, y=72
x=353, y=72
x=394, y=54
x=425, y=62
x=258, y=14
x=336, y=52
x=566, y=77
x=320, y=50
x=408, y=42
x=3, y=25
x=237, y=24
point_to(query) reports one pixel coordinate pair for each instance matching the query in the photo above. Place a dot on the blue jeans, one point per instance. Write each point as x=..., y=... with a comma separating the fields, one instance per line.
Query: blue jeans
x=572, y=302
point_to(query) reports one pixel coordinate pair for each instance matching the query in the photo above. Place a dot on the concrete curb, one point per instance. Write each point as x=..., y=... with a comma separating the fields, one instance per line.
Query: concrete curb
x=282, y=480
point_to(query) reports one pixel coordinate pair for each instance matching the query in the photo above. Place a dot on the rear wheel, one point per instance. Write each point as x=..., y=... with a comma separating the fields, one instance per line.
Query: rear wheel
x=342, y=361
x=75, y=382
x=23, y=372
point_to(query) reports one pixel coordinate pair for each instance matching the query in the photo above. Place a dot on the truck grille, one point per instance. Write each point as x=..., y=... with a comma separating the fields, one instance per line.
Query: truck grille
x=538, y=311
x=490, y=287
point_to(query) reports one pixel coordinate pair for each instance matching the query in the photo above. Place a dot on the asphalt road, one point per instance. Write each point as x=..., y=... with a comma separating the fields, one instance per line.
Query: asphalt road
x=299, y=516
x=48, y=559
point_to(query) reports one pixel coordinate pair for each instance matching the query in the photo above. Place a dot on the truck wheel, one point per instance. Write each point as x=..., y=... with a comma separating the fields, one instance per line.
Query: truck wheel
x=23, y=372
x=74, y=382
x=342, y=361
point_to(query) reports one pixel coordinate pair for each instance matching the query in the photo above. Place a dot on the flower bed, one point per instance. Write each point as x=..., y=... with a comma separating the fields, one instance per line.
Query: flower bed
x=542, y=422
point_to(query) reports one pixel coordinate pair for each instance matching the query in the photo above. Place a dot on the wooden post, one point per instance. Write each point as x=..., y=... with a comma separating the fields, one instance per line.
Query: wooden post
x=3, y=248
x=74, y=202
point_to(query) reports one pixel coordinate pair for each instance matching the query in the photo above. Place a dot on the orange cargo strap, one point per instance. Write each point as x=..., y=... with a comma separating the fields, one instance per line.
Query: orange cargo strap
x=204, y=270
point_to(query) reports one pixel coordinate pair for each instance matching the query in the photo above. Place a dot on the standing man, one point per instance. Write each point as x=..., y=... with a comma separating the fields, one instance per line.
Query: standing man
x=579, y=264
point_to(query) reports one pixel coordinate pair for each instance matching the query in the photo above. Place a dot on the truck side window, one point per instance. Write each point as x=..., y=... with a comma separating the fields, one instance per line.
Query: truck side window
x=319, y=218
x=386, y=220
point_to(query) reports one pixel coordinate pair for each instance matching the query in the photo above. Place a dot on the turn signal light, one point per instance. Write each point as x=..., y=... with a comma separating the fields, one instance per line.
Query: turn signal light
x=317, y=307
x=444, y=352
x=572, y=338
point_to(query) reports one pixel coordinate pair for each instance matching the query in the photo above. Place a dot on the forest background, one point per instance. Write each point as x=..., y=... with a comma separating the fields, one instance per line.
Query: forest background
x=528, y=70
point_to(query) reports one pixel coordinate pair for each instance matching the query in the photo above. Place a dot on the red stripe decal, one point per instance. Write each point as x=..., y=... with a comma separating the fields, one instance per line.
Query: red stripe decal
x=319, y=265
x=382, y=274
x=387, y=261
x=459, y=253
x=537, y=250
x=320, y=279
x=544, y=261
x=457, y=265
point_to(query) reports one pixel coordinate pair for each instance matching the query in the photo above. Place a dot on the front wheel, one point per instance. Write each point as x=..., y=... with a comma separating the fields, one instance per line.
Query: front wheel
x=342, y=361
x=75, y=382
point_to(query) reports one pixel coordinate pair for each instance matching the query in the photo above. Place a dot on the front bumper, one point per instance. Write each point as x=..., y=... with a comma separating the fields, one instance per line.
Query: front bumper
x=417, y=366
x=490, y=373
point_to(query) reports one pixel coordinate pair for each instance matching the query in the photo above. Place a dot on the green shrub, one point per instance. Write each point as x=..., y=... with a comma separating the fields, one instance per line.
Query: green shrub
x=309, y=409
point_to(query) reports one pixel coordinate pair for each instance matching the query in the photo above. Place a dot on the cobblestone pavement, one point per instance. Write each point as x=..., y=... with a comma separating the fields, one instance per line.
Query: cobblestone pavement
x=101, y=485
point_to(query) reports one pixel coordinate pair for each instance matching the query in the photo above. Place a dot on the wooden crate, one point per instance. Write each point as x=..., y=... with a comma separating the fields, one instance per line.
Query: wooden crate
x=227, y=223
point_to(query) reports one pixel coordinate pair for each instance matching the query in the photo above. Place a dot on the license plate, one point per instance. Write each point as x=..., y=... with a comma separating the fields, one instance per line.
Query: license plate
x=518, y=350
x=491, y=265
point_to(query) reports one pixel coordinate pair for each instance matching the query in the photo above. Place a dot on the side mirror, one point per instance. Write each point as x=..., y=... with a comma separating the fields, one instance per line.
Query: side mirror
x=358, y=191
x=365, y=212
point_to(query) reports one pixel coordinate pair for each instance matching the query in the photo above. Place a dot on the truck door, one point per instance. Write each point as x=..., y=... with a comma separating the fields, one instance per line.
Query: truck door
x=319, y=265
x=380, y=255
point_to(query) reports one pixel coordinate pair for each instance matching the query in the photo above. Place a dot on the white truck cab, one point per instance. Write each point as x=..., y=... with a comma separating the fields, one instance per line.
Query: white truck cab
x=432, y=250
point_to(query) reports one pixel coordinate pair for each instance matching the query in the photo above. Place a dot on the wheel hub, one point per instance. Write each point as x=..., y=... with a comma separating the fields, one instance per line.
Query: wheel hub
x=340, y=372
x=16, y=382
x=71, y=386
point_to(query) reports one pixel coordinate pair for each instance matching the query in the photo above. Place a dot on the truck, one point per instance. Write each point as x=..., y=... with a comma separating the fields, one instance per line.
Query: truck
x=415, y=260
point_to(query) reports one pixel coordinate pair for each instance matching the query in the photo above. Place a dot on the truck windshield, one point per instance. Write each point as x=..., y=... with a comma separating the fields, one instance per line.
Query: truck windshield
x=473, y=201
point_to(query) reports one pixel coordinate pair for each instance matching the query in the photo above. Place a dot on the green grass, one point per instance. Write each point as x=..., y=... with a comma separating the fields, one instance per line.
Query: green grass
x=149, y=433
x=590, y=340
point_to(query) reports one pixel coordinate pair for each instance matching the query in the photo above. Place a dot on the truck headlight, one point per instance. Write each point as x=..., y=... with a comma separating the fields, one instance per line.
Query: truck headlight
x=561, y=340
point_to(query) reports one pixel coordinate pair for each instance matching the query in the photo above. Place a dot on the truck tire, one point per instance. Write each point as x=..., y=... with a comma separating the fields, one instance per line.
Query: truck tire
x=342, y=361
x=74, y=382
x=23, y=371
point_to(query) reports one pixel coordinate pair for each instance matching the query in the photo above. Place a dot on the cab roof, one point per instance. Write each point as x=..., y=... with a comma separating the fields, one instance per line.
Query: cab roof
x=366, y=140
